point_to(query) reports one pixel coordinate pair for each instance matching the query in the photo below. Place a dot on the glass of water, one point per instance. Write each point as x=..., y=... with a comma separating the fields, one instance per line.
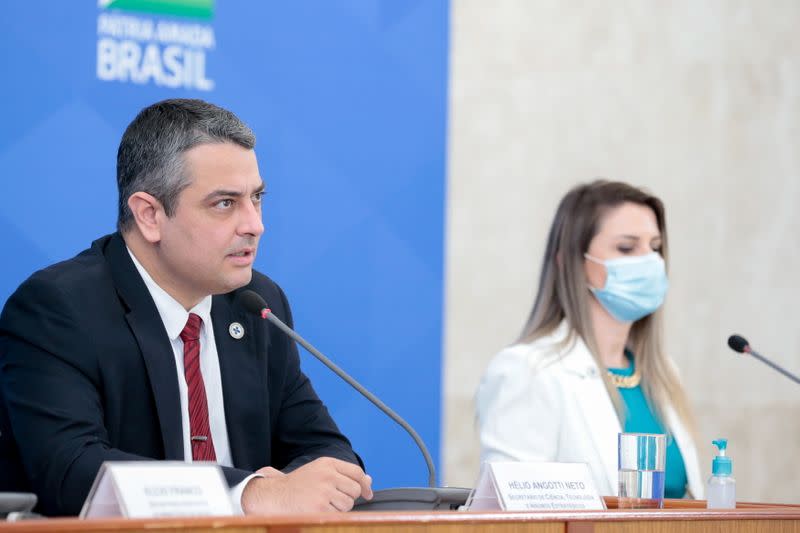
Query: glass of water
x=642, y=457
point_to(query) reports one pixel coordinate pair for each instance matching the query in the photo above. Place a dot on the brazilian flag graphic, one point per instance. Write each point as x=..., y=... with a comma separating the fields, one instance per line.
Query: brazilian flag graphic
x=198, y=9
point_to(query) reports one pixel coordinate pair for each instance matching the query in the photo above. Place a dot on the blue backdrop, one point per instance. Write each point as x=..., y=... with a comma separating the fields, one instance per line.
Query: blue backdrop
x=348, y=100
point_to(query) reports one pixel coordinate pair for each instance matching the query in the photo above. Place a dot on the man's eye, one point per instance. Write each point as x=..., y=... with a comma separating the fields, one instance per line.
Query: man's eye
x=224, y=204
x=257, y=197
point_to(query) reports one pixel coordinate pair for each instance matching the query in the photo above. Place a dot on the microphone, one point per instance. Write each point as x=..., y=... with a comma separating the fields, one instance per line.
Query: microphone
x=737, y=343
x=431, y=497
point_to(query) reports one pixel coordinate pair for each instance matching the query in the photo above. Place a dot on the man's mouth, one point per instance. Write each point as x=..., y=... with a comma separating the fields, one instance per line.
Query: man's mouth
x=243, y=254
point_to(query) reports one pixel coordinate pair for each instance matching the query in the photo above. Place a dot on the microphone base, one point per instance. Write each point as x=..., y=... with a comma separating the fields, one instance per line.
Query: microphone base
x=415, y=499
x=16, y=502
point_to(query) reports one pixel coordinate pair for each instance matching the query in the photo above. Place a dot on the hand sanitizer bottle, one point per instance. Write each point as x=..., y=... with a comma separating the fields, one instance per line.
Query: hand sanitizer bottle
x=721, y=488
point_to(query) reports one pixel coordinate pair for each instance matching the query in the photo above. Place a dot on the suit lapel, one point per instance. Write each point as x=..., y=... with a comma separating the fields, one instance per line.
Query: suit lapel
x=243, y=369
x=156, y=349
x=600, y=417
x=688, y=451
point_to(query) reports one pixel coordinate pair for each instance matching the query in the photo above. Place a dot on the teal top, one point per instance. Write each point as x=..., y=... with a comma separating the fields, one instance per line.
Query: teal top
x=641, y=419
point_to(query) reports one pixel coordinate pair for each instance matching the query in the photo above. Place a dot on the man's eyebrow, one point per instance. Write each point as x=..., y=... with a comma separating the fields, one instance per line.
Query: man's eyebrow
x=230, y=193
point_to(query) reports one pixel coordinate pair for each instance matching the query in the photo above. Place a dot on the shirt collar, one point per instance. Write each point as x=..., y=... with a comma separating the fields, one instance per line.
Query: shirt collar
x=172, y=313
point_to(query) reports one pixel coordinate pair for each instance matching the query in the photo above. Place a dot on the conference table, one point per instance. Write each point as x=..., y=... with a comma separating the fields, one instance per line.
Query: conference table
x=677, y=516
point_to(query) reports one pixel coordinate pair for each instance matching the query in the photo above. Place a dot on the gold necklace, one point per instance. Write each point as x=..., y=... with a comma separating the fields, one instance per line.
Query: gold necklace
x=625, y=382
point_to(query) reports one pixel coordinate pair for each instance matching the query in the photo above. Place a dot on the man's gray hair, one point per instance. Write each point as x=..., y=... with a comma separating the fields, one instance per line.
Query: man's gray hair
x=150, y=156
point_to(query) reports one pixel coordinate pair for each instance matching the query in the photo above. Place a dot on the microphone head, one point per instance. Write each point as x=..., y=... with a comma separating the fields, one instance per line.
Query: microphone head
x=252, y=301
x=738, y=343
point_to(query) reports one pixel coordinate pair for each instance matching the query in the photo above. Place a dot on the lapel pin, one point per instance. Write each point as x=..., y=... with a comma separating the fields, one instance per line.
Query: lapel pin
x=236, y=330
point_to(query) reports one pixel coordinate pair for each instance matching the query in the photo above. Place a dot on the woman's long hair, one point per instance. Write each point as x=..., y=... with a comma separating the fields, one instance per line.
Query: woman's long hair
x=564, y=295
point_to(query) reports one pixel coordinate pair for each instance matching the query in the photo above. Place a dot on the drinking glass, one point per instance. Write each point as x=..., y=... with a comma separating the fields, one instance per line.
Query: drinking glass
x=642, y=457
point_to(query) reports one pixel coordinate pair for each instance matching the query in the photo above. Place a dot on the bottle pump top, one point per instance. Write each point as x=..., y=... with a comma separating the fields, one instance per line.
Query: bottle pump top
x=722, y=465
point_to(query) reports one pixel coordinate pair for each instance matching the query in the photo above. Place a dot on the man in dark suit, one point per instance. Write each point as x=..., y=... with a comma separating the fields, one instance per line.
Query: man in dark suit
x=138, y=348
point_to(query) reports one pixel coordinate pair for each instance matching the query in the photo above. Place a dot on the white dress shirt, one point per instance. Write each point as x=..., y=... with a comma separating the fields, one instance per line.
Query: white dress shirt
x=174, y=317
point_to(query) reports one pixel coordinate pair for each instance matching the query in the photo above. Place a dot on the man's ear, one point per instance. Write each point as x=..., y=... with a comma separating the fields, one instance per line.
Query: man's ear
x=147, y=213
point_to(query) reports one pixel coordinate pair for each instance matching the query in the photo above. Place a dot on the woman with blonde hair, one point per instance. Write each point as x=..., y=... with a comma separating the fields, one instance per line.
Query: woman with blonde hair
x=590, y=361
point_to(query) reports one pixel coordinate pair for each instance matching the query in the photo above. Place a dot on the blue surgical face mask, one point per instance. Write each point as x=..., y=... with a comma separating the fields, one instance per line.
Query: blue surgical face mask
x=635, y=285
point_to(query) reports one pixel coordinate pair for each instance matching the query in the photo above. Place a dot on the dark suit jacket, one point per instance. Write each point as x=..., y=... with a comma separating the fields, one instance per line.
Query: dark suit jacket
x=87, y=374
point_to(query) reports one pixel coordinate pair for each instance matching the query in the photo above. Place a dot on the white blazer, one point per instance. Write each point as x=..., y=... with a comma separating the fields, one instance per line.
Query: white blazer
x=540, y=402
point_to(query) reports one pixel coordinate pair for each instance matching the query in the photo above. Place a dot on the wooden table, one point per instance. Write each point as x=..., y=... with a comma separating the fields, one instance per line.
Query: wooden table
x=677, y=516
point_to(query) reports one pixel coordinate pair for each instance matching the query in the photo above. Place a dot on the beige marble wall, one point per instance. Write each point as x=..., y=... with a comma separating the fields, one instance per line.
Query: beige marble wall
x=698, y=101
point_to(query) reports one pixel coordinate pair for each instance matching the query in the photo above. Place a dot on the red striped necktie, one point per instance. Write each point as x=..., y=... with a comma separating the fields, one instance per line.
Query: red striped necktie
x=199, y=429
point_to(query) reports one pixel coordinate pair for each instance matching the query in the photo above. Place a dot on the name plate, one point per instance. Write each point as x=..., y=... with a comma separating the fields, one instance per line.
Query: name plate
x=535, y=487
x=150, y=489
